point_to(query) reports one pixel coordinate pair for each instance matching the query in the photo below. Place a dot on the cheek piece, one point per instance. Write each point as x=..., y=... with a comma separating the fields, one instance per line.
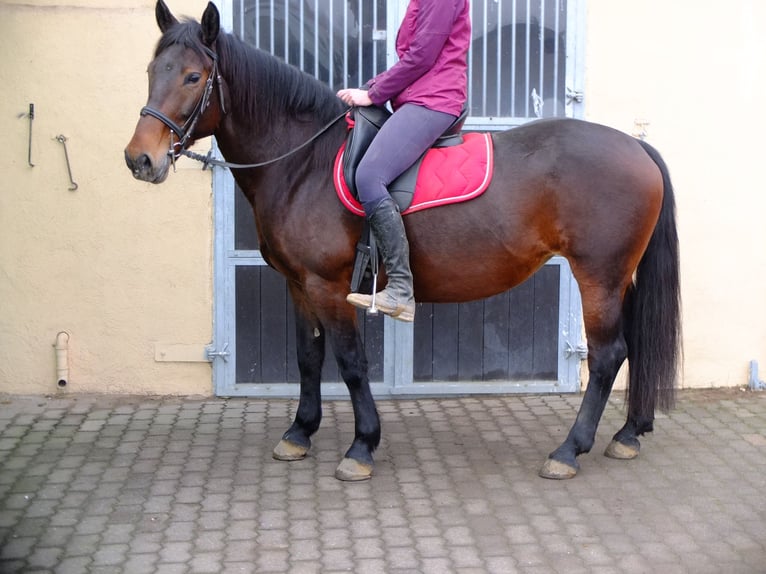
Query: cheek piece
x=184, y=133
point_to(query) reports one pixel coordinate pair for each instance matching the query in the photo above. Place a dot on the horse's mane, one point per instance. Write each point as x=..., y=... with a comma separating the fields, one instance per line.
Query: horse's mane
x=260, y=85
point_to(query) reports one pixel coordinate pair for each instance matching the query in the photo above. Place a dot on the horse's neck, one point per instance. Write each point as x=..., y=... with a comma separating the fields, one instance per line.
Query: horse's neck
x=260, y=131
x=242, y=143
x=270, y=124
x=247, y=143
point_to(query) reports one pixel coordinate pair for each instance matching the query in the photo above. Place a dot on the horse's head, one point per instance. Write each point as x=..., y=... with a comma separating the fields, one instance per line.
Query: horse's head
x=182, y=76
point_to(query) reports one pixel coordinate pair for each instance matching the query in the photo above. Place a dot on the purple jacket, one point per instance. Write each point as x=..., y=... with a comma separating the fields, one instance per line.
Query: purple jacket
x=432, y=45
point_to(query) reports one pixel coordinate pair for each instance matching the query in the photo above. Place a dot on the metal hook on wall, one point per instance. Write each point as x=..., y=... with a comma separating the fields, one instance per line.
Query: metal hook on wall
x=62, y=139
x=639, y=128
x=31, y=116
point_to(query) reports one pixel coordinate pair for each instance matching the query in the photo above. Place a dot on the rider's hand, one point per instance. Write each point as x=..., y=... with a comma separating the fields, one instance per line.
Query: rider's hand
x=355, y=97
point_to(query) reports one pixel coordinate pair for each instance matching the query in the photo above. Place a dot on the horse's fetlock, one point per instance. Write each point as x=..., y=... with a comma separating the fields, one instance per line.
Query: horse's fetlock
x=298, y=435
x=643, y=425
x=583, y=441
x=361, y=452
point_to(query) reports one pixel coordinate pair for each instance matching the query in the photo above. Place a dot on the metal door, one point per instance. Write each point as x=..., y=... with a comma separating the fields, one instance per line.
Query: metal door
x=521, y=67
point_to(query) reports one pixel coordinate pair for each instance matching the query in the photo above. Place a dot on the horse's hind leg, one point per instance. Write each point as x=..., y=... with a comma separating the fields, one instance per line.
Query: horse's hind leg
x=607, y=350
x=625, y=444
x=310, y=344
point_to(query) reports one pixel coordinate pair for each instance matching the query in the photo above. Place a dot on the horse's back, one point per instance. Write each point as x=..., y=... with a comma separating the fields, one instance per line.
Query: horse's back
x=577, y=169
x=560, y=186
x=568, y=150
x=596, y=190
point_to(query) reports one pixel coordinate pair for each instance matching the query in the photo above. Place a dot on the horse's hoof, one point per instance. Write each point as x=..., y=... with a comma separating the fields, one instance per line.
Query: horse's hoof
x=351, y=470
x=557, y=470
x=287, y=450
x=621, y=451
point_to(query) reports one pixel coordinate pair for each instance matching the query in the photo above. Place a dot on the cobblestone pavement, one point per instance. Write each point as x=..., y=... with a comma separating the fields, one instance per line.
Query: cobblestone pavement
x=100, y=484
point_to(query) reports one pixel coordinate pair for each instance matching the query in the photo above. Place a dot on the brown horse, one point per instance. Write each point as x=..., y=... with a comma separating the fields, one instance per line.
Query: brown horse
x=594, y=195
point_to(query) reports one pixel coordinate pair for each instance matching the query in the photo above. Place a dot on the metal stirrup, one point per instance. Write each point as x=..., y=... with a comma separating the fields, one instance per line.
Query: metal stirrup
x=374, y=267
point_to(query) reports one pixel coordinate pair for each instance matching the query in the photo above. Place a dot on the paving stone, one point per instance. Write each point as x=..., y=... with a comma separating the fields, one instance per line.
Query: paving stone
x=76, y=565
x=17, y=547
x=141, y=563
x=176, y=552
x=132, y=485
x=171, y=569
x=205, y=562
x=241, y=550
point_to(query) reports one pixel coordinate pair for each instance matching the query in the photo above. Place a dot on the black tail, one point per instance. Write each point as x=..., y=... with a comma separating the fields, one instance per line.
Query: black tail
x=654, y=311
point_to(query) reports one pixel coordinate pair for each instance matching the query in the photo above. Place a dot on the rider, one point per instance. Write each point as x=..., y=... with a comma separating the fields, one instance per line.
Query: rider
x=427, y=89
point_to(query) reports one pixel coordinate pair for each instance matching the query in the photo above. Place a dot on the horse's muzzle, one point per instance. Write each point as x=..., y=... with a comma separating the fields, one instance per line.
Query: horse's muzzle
x=142, y=167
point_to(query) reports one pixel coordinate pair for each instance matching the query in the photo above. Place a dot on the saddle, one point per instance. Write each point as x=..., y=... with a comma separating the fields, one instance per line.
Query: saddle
x=365, y=122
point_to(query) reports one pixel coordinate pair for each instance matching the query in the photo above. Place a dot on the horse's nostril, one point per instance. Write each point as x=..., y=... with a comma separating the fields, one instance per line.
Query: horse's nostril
x=143, y=162
x=140, y=164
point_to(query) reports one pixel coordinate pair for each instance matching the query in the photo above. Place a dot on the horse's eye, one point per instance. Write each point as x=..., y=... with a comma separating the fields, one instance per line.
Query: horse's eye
x=192, y=78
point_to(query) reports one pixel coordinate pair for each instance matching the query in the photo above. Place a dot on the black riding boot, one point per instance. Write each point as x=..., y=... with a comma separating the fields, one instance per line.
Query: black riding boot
x=397, y=298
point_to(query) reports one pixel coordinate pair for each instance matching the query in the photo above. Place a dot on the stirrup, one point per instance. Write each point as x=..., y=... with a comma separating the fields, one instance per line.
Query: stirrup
x=402, y=312
x=374, y=264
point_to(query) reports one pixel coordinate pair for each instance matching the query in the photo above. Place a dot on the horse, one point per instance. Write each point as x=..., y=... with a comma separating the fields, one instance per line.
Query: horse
x=592, y=194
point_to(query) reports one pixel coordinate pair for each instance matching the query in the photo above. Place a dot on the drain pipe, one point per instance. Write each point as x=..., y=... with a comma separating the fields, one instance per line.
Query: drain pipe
x=62, y=359
x=754, y=383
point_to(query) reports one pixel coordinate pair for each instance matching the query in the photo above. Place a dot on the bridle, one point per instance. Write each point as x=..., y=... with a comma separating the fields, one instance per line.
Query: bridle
x=184, y=133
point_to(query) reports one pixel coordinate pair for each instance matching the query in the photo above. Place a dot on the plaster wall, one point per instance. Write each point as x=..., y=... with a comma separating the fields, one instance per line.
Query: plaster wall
x=125, y=268
x=118, y=264
x=696, y=71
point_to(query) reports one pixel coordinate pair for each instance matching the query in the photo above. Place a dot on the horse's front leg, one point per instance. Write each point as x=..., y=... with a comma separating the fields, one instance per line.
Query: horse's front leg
x=352, y=362
x=310, y=344
x=338, y=319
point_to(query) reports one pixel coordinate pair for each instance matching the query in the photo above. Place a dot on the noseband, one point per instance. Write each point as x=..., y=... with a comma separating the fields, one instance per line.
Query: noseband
x=184, y=133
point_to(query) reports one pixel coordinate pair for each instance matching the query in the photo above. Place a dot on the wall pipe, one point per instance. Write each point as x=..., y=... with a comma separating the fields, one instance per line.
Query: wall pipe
x=755, y=383
x=62, y=359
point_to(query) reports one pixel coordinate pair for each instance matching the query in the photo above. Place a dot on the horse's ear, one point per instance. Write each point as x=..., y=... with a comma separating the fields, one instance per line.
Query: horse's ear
x=211, y=25
x=165, y=19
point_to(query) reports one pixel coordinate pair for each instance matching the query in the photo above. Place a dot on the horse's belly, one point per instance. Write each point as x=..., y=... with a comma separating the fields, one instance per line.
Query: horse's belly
x=461, y=279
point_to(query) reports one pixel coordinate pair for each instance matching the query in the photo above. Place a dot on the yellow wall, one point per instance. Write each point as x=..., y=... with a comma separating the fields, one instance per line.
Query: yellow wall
x=126, y=267
x=119, y=264
x=697, y=72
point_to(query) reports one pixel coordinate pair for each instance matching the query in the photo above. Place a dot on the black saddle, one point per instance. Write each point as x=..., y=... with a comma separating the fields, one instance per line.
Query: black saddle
x=367, y=122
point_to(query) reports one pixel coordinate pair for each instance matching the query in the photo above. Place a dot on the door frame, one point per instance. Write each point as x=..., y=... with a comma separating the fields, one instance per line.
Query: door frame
x=398, y=336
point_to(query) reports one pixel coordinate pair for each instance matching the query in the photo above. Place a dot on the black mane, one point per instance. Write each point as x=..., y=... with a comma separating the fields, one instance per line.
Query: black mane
x=261, y=86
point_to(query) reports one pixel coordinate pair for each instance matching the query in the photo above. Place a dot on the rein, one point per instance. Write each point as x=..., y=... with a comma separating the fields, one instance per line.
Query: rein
x=208, y=159
x=184, y=133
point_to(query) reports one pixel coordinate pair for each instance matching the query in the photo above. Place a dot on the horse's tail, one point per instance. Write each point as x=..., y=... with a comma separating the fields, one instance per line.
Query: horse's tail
x=654, y=314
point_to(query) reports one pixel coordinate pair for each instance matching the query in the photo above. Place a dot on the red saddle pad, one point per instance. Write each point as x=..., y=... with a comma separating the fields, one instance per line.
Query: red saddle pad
x=447, y=175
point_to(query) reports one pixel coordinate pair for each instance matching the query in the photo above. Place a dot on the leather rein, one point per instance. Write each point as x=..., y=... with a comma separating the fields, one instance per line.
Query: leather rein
x=184, y=133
